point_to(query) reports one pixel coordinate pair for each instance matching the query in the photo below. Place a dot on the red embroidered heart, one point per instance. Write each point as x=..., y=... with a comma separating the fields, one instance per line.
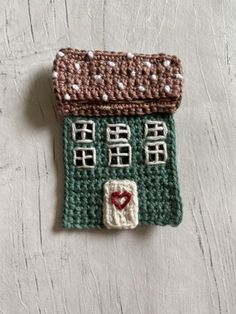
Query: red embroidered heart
x=117, y=196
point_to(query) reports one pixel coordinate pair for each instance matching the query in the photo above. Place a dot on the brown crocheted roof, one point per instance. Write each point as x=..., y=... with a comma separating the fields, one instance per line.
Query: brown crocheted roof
x=110, y=83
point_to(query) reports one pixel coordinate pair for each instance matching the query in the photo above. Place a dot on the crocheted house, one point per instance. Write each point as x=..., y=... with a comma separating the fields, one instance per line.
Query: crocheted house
x=119, y=138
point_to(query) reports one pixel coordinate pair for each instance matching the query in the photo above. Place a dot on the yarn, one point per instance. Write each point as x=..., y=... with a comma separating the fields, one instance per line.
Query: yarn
x=158, y=187
x=120, y=204
x=132, y=83
x=115, y=196
x=119, y=137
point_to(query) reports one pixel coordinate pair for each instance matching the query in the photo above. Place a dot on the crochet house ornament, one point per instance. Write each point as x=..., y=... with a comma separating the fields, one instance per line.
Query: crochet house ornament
x=119, y=138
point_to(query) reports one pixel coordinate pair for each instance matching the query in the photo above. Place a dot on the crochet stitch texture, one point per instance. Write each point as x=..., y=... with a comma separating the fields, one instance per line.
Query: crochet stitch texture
x=119, y=138
x=158, y=189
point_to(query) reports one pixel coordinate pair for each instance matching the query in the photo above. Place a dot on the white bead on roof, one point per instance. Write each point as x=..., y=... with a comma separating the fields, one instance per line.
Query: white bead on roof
x=166, y=63
x=104, y=97
x=60, y=54
x=77, y=66
x=167, y=88
x=141, y=88
x=90, y=54
x=130, y=55
x=67, y=97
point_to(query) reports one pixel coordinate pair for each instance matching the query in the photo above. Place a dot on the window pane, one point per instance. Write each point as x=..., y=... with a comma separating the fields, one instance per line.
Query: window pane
x=161, y=132
x=155, y=153
x=161, y=157
x=78, y=153
x=152, y=147
x=79, y=162
x=123, y=135
x=89, y=126
x=114, y=160
x=78, y=125
x=83, y=131
x=124, y=160
x=152, y=156
x=155, y=130
x=89, y=161
x=78, y=136
x=119, y=155
x=118, y=132
x=88, y=136
x=112, y=136
x=88, y=152
x=124, y=150
x=150, y=133
x=114, y=150
x=85, y=157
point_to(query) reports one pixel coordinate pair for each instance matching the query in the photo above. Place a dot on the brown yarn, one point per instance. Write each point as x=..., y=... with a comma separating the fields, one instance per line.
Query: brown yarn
x=81, y=91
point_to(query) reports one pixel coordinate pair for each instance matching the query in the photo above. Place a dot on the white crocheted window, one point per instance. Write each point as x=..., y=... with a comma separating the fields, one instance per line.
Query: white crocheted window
x=155, y=130
x=85, y=157
x=83, y=131
x=118, y=132
x=155, y=153
x=119, y=155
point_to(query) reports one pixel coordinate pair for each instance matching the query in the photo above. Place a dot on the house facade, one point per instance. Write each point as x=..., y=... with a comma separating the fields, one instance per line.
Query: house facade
x=119, y=138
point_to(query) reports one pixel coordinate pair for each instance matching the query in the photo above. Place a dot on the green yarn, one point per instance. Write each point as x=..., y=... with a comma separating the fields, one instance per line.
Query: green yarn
x=158, y=188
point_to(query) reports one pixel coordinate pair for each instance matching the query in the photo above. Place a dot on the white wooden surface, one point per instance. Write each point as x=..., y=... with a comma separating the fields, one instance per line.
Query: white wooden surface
x=184, y=270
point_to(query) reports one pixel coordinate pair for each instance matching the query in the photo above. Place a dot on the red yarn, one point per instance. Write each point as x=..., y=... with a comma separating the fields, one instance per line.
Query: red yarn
x=116, y=196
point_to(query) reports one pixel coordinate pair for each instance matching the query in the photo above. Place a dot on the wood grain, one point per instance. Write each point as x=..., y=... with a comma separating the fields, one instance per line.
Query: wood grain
x=189, y=269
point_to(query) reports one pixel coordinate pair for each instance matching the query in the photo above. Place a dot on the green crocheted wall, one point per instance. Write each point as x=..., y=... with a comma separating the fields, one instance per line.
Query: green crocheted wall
x=158, y=188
